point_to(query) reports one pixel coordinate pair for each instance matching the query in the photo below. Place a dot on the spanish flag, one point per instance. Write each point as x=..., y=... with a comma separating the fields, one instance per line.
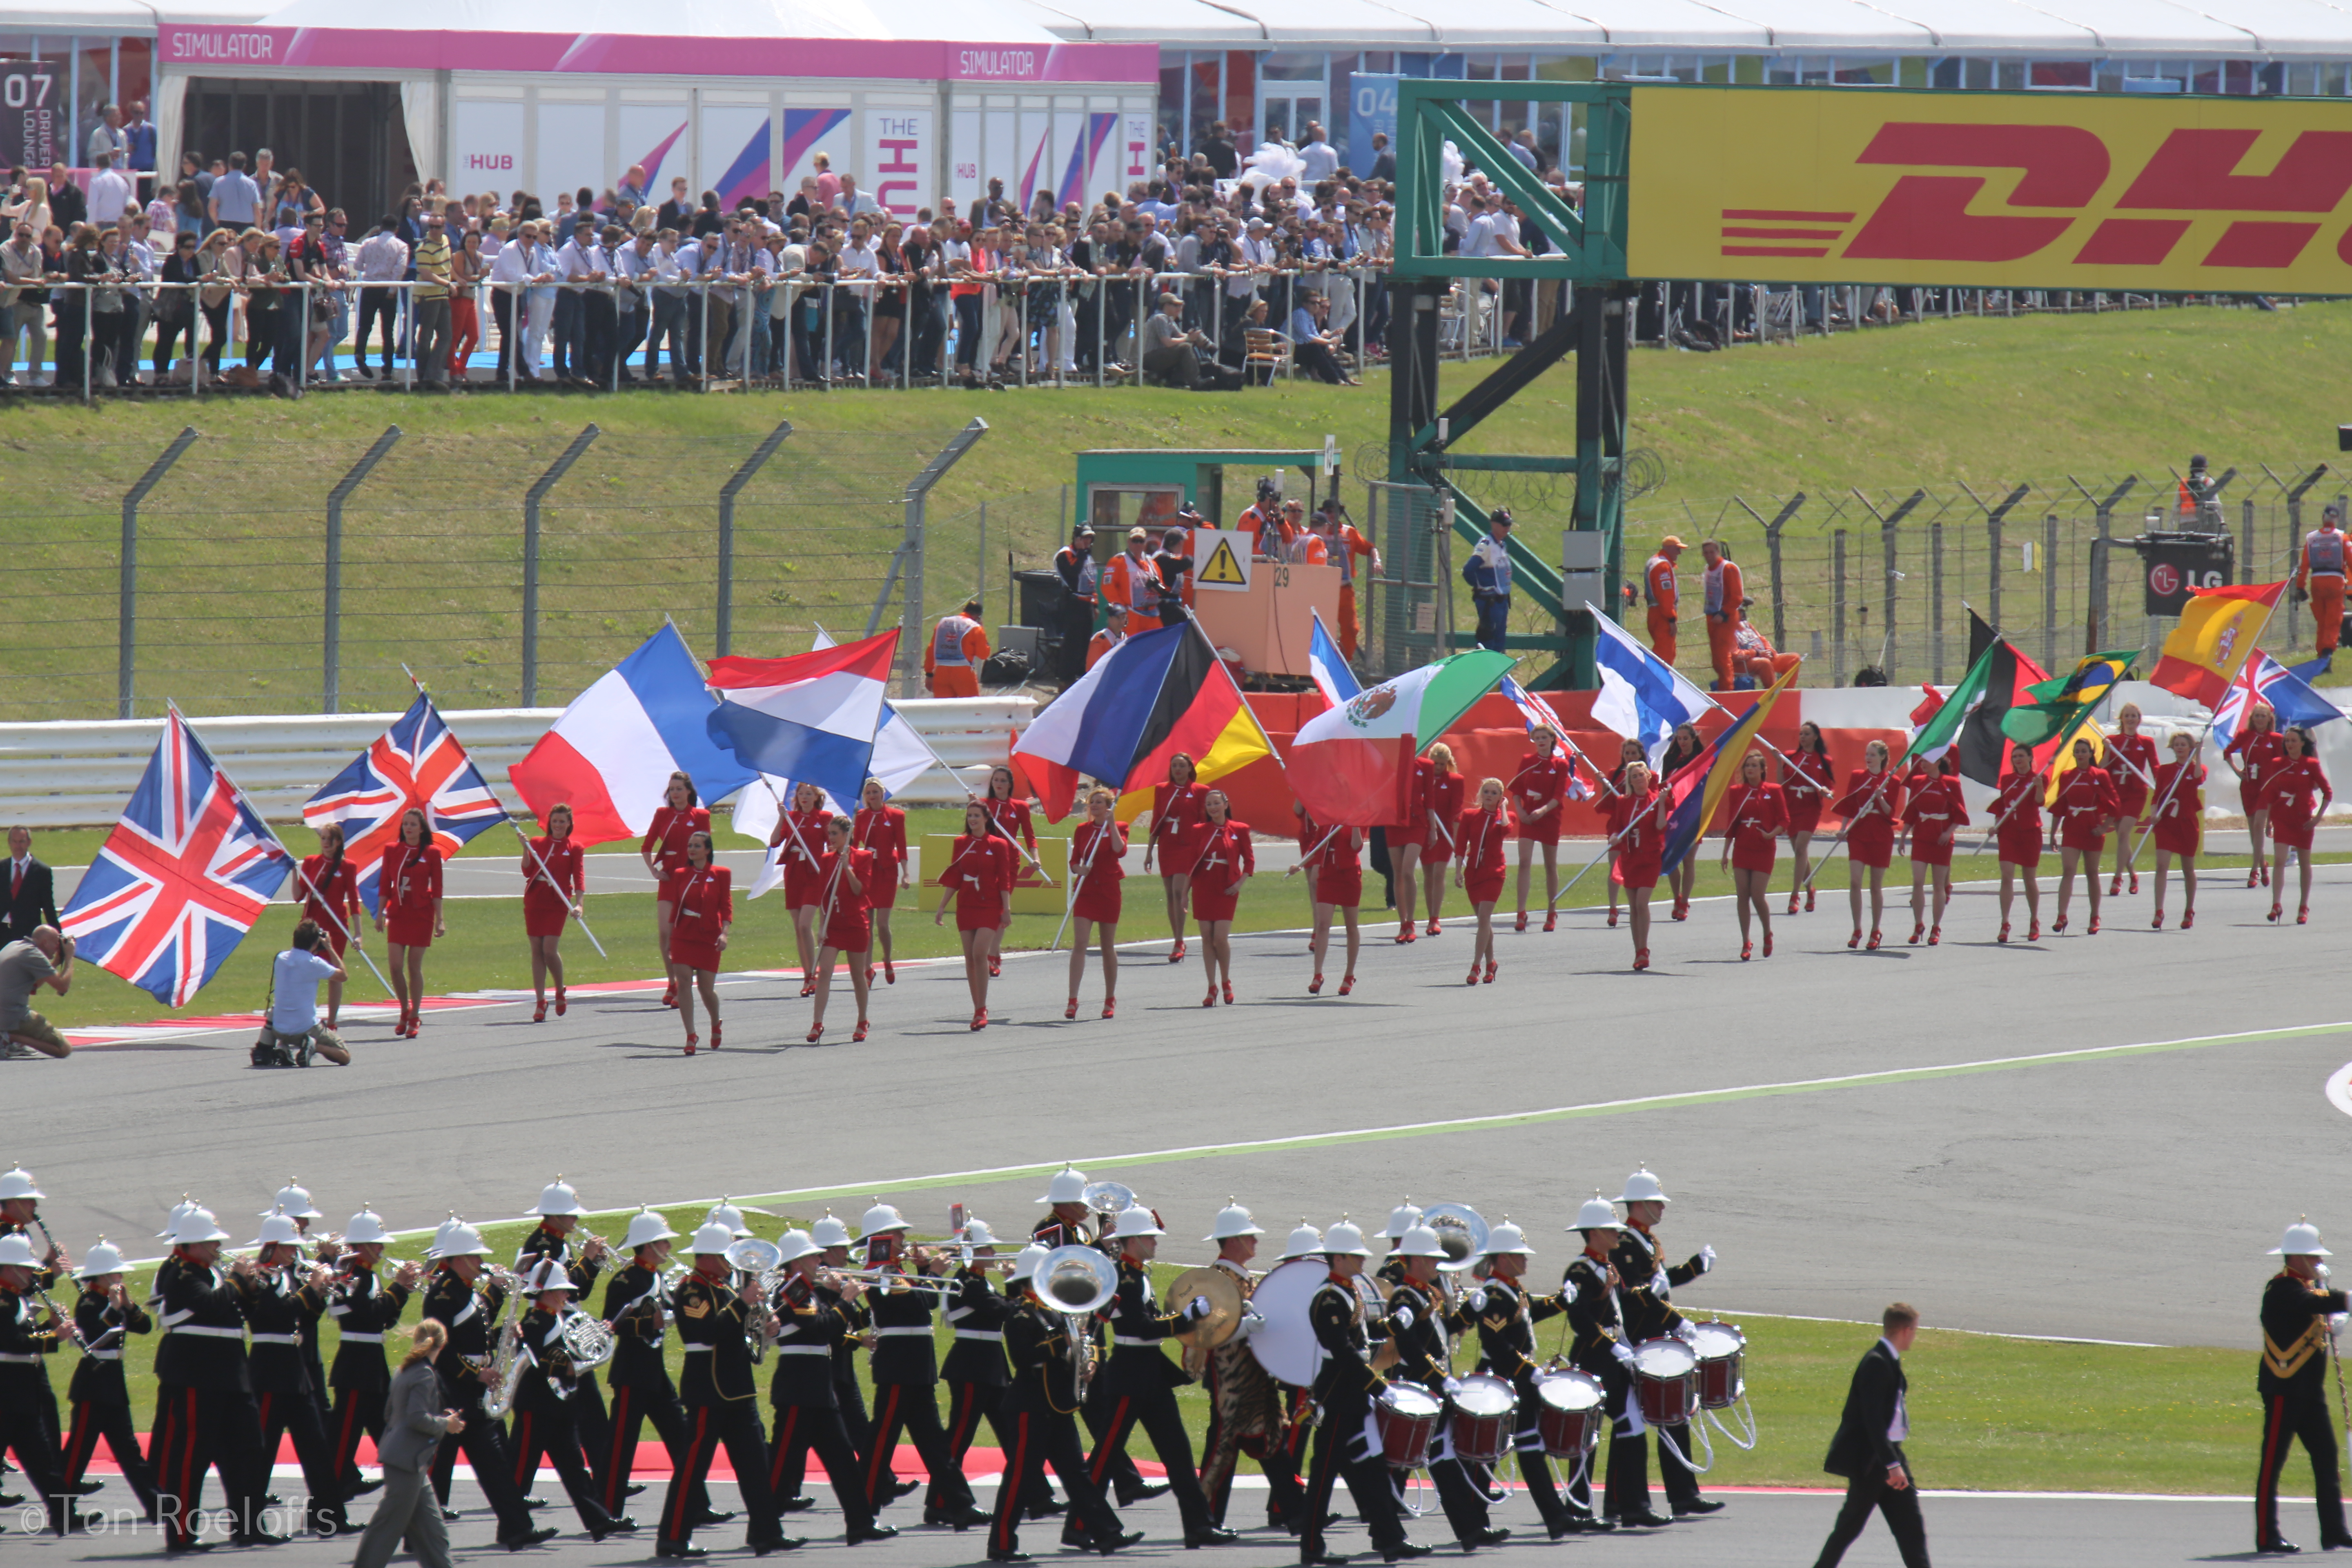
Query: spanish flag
x=2218, y=630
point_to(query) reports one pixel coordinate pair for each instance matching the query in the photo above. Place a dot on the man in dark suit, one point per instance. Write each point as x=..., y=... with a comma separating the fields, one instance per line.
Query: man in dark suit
x=1868, y=1448
x=32, y=891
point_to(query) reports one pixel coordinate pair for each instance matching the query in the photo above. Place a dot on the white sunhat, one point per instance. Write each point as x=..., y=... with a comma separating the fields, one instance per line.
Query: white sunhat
x=1069, y=1187
x=1232, y=1220
x=559, y=1198
x=1304, y=1242
x=1402, y=1218
x=295, y=1200
x=2301, y=1241
x=645, y=1228
x=1641, y=1187
x=1598, y=1214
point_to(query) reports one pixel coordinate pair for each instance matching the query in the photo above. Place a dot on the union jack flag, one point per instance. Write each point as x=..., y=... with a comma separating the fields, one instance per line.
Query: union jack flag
x=186, y=872
x=2264, y=680
x=417, y=763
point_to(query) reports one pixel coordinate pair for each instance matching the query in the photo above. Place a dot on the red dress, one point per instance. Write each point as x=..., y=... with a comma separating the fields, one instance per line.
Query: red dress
x=2264, y=753
x=1336, y=866
x=1542, y=781
x=545, y=909
x=1644, y=846
x=2087, y=798
x=981, y=872
x=1414, y=833
x=882, y=829
x=1805, y=788
x=2134, y=764
x=1225, y=858
x=666, y=842
x=1482, y=835
x=1753, y=817
x=2179, y=822
x=1013, y=820
x=332, y=897
x=1870, y=806
x=411, y=882
x=850, y=927
x=1176, y=823
x=1934, y=814
x=1439, y=841
x=2296, y=793
x=2017, y=811
x=802, y=834
x=1095, y=851
x=706, y=902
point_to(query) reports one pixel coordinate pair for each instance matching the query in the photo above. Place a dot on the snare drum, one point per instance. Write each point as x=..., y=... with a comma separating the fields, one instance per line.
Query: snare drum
x=1722, y=1351
x=1484, y=1408
x=1664, y=1375
x=1405, y=1415
x=1567, y=1413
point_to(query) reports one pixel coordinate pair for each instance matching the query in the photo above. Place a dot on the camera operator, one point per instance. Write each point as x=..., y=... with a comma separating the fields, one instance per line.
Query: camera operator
x=294, y=981
x=1169, y=566
x=45, y=958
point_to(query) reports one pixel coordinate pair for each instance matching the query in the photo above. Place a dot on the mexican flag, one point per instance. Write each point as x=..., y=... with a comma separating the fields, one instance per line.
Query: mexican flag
x=1999, y=679
x=1352, y=765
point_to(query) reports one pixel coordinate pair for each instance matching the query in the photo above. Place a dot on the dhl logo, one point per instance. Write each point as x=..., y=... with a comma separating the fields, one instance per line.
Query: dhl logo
x=2099, y=194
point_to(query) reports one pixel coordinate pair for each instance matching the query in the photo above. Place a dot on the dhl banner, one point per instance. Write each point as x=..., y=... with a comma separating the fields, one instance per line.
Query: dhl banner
x=2029, y=191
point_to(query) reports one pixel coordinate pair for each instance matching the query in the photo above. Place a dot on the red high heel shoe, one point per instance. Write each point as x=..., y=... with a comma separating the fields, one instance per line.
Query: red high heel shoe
x=1210, y=999
x=2093, y=929
x=714, y=1033
x=1747, y=951
x=979, y=1019
x=2253, y=877
x=1872, y=945
x=2266, y=873
x=1855, y=940
x=1918, y=929
x=692, y=1041
x=2033, y=931
x=1229, y=993
x=1314, y=986
x=539, y=1014
x=669, y=992
x=1072, y=1010
x=2274, y=914
x=1176, y=954
x=1809, y=901
x=2058, y=925
x=1473, y=975
x=1522, y=922
x=2135, y=884
x=1612, y=917
x=1682, y=909
x=858, y=1036
x=1792, y=903
x=816, y=1033
x=1347, y=984
x=1551, y=919
x=2157, y=924
x=2303, y=914
x=415, y=1019
x=561, y=1006
x=1407, y=934
x=889, y=973
x=2187, y=918
x=1640, y=958
x=1436, y=929
x=808, y=986
x=1110, y=1007
x=2115, y=885
x=995, y=966
x=1934, y=935
x=2004, y=932
x=1768, y=944
x=1490, y=972
x=869, y=975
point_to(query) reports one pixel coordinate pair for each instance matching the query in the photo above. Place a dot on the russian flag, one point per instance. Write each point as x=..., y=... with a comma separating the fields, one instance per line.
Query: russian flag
x=609, y=756
x=810, y=717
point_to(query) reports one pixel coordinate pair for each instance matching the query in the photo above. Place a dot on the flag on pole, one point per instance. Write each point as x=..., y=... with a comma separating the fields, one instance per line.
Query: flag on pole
x=1352, y=765
x=2264, y=680
x=2059, y=707
x=1328, y=666
x=1699, y=787
x=1642, y=697
x=901, y=756
x=417, y=762
x=2218, y=630
x=1533, y=711
x=2000, y=678
x=186, y=872
x=611, y=753
x=810, y=717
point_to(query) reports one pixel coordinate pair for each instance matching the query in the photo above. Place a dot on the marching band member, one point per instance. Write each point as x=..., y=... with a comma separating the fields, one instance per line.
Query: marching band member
x=704, y=907
x=1755, y=813
x=810, y=1324
x=1176, y=829
x=204, y=1413
x=1225, y=861
x=1306, y=1241
x=2016, y=831
x=1480, y=833
x=1872, y=804
x=1539, y=795
x=2295, y=796
x=545, y=1401
x=467, y=1306
x=1401, y=1219
x=1138, y=1382
x=1930, y=817
x=1245, y=1404
x=1444, y=815
x=800, y=831
x=554, y=881
x=28, y=1407
x=408, y=894
x=639, y=1317
x=680, y=813
x=1507, y=1316
x=1068, y=1220
x=1618, y=813
x=1041, y=1405
x=1097, y=848
x=832, y=1236
x=363, y=1309
x=1807, y=780
x=286, y=1298
x=1683, y=748
x=1588, y=1289
x=904, y=1371
x=1009, y=817
x=2178, y=828
x=849, y=879
x=2257, y=740
x=1333, y=858
x=1343, y=1389
x=1421, y=1325
x=975, y=1368
x=2293, y=1381
x=721, y=1396
x=104, y=1318
x=20, y=1207
x=979, y=877
x=2078, y=817
x=1650, y=1314
x=2135, y=773
x=1637, y=822
x=330, y=896
x=1408, y=844
x=560, y=1211
x=882, y=827
x=294, y=1200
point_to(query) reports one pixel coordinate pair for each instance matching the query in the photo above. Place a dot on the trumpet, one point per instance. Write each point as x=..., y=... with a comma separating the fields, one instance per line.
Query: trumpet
x=894, y=1281
x=597, y=1253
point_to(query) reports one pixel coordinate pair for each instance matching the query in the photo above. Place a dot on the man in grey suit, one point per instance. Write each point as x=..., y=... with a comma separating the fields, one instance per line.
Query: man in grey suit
x=415, y=1418
x=1868, y=1447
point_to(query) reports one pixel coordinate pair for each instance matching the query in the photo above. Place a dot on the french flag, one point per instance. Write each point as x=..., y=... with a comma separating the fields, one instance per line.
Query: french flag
x=609, y=756
x=810, y=717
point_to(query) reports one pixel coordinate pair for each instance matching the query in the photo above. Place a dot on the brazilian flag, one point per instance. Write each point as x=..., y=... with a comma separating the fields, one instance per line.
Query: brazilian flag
x=2059, y=706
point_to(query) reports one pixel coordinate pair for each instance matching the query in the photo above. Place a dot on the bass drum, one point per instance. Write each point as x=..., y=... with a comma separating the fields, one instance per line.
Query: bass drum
x=1405, y=1416
x=1284, y=1345
x=1722, y=1351
x=1480, y=1428
x=1567, y=1413
x=1664, y=1374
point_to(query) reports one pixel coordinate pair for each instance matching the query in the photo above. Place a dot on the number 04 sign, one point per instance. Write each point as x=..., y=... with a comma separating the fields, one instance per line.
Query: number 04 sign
x=29, y=94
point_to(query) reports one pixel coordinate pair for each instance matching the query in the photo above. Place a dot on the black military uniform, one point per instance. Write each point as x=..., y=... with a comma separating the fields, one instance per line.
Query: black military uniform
x=721, y=1400
x=642, y=1391
x=545, y=1422
x=1506, y=1348
x=1422, y=1326
x=364, y=1310
x=1594, y=1337
x=279, y=1308
x=904, y=1369
x=47, y=1275
x=1649, y=1315
x=2293, y=1382
x=204, y=1413
x=975, y=1372
x=470, y=1312
x=1139, y=1384
x=101, y=1400
x=810, y=1323
x=1041, y=1407
x=28, y=1407
x=1343, y=1393
x=589, y=1418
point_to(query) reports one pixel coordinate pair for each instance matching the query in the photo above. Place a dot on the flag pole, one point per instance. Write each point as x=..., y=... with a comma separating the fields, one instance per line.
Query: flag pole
x=1596, y=860
x=2131, y=866
x=2212, y=716
x=1847, y=827
x=1070, y=894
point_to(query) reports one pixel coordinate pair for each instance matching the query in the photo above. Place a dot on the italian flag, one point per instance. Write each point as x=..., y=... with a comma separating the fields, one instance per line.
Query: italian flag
x=1352, y=765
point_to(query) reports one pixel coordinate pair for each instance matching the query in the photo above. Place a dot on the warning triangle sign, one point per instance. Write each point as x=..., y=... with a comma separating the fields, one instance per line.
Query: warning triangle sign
x=1223, y=568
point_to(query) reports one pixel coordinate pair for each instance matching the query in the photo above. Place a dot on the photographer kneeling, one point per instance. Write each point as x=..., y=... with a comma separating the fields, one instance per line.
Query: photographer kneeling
x=45, y=958
x=294, y=981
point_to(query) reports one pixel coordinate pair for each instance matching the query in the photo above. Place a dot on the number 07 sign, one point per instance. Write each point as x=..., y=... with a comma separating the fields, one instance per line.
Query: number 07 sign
x=30, y=105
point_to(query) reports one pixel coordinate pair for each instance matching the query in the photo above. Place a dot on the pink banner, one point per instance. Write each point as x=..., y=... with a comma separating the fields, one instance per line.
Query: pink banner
x=226, y=49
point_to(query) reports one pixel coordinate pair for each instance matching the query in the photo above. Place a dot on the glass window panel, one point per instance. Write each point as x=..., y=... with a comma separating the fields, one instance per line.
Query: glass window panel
x=1380, y=62
x=1205, y=97
x=2068, y=74
x=1293, y=65
x=2010, y=75
x=1749, y=69
x=1718, y=71
x=1240, y=99
x=1513, y=68
x=1913, y=72
x=135, y=72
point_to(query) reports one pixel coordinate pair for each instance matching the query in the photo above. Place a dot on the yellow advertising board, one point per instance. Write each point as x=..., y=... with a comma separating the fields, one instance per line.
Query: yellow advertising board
x=1999, y=190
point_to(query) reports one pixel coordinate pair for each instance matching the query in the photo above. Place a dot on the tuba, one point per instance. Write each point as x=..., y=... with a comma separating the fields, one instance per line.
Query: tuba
x=762, y=1263
x=1461, y=1231
x=1077, y=1283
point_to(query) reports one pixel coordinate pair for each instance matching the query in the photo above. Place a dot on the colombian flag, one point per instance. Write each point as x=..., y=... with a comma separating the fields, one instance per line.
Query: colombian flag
x=1699, y=789
x=2218, y=630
